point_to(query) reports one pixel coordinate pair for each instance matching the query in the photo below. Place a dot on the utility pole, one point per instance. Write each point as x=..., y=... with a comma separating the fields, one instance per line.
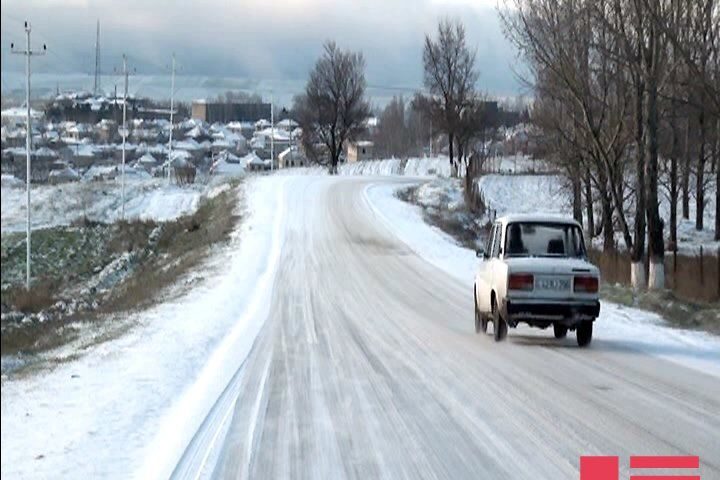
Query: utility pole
x=124, y=136
x=172, y=106
x=272, y=133
x=28, y=52
x=96, y=86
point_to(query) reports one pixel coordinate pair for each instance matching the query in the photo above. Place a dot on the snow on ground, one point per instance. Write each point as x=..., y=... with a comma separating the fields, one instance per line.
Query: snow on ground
x=146, y=199
x=524, y=193
x=628, y=327
x=167, y=371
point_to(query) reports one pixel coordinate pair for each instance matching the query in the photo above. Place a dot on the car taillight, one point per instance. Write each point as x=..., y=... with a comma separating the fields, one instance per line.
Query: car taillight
x=520, y=281
x=585, y=284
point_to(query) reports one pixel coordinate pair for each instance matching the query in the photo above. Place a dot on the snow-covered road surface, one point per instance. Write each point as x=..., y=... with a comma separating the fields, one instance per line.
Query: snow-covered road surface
x=334, y=339
x=368, y=367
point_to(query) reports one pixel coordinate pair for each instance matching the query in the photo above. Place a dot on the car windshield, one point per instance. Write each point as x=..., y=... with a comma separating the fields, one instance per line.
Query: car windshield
x=544, y=240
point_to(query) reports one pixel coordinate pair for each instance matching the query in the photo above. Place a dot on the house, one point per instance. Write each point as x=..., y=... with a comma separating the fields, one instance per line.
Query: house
x=359, y=151
x=292, y=157
x=255, y=163
x=228, y=164
x=287, y=124
x=262, y=144
x=147, y=162
x=62, y=175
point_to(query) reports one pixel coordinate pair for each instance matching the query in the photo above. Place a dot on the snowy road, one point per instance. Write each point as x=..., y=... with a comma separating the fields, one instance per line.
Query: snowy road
x=368, y=367
x=333, y=338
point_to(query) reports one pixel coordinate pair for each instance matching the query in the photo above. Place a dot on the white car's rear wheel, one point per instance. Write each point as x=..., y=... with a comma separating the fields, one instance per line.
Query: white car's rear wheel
x=499, y=324
x=480, y=320
x=584, y=333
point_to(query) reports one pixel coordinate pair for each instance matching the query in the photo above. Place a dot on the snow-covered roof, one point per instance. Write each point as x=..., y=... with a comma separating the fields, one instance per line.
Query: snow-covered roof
x=66, y=173
x=182, y=154
x=252, y=159
x=11, y=181
x=228, y=164
x=262, y=123
x=20, y=112
x=147, y=159
x=97, y=171
x=188, y=144
x=279, y=135
x=287, y=123
x=84, y=151
x=45, y=152
x=195, y=132
x=364, y=143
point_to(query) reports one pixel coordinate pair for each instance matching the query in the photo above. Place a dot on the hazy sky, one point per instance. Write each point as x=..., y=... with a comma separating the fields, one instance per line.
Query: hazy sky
x=256, y=39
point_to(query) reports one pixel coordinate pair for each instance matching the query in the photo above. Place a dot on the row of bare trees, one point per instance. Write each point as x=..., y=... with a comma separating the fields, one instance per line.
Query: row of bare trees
x=333, y=108
x=627, y=102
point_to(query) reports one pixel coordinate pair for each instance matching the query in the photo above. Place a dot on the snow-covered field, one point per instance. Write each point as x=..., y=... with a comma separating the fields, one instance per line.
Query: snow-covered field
x=129, y=407
x=146, y=199
x=637, y=329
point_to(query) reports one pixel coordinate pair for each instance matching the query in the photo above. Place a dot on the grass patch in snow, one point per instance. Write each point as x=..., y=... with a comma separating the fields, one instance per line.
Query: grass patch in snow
x=443, y=206
x=85, y=271
x=677, y=312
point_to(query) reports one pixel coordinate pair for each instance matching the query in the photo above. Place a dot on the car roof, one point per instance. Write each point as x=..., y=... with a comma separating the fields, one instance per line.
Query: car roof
x=535, y=217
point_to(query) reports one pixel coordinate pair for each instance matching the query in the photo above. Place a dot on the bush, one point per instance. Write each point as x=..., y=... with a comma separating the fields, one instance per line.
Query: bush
x=35, y=300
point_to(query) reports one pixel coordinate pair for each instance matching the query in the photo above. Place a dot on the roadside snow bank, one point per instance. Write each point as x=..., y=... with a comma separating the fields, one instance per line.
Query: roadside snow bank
x=129, y=407
x=627, y=327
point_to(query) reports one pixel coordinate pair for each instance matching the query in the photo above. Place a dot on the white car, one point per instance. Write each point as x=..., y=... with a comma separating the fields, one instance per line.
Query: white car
x=534, y=269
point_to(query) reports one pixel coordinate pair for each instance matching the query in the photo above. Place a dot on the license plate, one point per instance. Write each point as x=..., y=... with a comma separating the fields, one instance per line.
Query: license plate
x=554, y=284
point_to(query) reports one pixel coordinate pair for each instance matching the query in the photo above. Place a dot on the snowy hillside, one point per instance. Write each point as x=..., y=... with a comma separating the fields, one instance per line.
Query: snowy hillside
x=146, y=199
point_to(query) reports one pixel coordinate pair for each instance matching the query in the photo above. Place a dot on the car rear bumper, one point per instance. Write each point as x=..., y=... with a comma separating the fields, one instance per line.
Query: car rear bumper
x=550, y=310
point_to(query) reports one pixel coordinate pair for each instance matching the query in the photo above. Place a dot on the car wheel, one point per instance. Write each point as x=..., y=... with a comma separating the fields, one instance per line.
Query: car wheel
x=560, y=330
x=584, y=333
x=500, y=326
x=480, y=320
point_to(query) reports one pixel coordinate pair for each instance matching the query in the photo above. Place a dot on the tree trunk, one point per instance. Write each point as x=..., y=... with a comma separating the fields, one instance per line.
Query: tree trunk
x=589, y=213
x=451, y=141
x=656, y=247
x=700, y=174
x=637, y=253
x=717, y=178
x=607, y=212
x=674, y=184
x=577, y=197
x=686, y=173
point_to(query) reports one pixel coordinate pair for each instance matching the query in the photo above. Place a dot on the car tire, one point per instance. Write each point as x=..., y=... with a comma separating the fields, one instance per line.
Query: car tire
x=499, y=324
x=560, y=330
x=584, y=333
x=480, y=320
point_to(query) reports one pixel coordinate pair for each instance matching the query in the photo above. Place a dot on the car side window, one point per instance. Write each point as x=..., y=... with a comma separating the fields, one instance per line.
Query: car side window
x=496, y=242
x=489, y=242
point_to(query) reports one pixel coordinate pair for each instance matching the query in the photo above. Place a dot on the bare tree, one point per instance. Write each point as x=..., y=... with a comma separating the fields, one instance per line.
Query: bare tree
x=393, y=137
x=333, y=108
x=450, y=77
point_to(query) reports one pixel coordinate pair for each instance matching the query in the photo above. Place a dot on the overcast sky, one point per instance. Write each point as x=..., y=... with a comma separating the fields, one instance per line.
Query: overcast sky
x=259, y=39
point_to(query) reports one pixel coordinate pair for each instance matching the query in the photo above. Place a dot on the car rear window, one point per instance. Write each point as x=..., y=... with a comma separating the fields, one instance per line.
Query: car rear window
x=539, y=239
